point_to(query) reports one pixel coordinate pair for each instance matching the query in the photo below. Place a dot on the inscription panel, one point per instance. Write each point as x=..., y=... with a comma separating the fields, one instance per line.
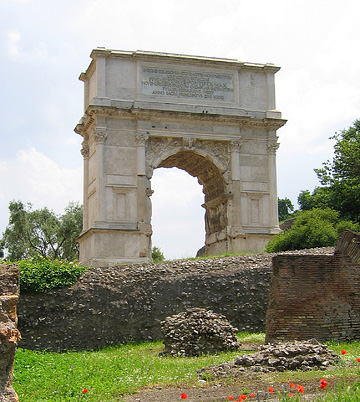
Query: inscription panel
x=175, y=83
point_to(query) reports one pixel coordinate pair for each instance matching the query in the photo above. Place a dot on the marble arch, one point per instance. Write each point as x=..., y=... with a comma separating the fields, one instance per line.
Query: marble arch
x=214, y=118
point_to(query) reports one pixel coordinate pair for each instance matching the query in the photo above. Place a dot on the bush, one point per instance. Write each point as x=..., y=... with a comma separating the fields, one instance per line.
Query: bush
x=314, y=228
x=41, y=274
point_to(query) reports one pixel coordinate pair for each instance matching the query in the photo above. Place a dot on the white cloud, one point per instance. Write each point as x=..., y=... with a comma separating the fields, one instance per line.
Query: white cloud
x=13, y=39
x=33, y=177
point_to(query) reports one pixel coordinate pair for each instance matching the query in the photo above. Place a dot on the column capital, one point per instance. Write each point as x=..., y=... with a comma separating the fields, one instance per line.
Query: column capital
x=85, y=150
x=273, y=145
x=100, y=135
x=141, y=138
x=236, y=145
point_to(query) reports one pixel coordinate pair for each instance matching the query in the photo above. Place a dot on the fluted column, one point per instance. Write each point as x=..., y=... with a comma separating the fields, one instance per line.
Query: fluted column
x=85, y=151
x=100, y=138
x=236, y=228
x=272, y=147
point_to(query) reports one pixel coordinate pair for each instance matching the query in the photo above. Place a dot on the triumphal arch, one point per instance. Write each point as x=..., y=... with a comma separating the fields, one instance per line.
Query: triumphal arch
x=214, y=118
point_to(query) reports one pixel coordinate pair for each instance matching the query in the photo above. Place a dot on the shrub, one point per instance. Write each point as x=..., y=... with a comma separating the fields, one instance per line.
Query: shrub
x=314, y=228
x=41, y=274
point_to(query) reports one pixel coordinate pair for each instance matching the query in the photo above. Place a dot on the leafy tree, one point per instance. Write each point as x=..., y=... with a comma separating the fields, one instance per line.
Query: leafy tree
x=313, y=228
x=157, y=255
x=285, y=208
x=320, y=198
x=341, y=176
x=41, y=232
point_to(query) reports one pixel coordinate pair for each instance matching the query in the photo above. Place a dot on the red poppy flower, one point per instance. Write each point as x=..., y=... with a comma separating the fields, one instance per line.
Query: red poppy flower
x=358, y=359
x=291, y=395
x=230, y=398
x=323, y=382
x=271, y=389
x=292, y=385
x=183, y=396
x=343, y=352
x=242, y=397
x=300, y=388
x=252, y=395
x=85, y=391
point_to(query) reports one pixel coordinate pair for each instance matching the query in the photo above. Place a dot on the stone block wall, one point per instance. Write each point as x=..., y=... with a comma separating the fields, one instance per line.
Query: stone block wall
x=118, y=304
x=316, y=296
x=9, y=334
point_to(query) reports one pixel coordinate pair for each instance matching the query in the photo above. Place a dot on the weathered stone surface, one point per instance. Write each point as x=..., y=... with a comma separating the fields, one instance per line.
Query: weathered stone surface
x=214, y=118
x=115, y=304
x=281, y=356
x=9, y=334
x=196, y=332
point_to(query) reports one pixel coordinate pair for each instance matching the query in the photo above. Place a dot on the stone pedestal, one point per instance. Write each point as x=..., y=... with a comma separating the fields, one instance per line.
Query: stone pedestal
x=213, y=118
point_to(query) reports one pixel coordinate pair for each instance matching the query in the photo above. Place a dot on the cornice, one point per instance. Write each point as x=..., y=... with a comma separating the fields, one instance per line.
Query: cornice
x=180, y=58
x=143, y=114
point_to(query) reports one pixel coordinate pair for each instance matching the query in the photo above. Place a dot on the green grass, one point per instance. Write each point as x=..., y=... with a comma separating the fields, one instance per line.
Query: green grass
x=115, y=371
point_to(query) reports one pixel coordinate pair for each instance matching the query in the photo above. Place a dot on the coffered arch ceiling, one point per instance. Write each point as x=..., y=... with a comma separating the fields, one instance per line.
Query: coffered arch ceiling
x=207, y=173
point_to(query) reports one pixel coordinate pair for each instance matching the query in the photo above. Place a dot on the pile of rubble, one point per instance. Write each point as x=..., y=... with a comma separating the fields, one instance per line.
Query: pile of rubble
x=197, y=331
x=296, y=355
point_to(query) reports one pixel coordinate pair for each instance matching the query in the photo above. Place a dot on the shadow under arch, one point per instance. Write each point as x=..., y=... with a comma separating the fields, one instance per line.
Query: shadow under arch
x=210, y=174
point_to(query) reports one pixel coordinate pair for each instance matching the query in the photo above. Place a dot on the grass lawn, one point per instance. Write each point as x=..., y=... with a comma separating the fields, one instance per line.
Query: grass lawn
x=110, y=373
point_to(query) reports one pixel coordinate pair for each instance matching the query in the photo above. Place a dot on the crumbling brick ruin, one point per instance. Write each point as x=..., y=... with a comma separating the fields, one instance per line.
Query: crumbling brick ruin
x=316, y=296
x=9, y=334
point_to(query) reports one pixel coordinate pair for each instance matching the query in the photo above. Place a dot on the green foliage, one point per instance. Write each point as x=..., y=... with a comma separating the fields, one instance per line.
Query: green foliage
x=42, y=232
x=313, y=228
x=320, y=198
x=285, y=208
x=342, y=174
x=157, y=255
x=41, y=274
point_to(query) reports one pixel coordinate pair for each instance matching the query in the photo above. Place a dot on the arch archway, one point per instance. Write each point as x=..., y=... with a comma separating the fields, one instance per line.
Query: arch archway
x=216, y=119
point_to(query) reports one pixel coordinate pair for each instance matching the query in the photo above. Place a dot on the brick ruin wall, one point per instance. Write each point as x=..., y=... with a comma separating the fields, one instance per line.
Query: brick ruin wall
x=316, y=296
x=9, y=334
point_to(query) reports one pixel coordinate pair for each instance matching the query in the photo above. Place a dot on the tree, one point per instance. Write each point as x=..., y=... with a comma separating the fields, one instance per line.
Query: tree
x=42, y=232
x=341, y=176
x=157, y=255
x=285, y=208
x=316, y=227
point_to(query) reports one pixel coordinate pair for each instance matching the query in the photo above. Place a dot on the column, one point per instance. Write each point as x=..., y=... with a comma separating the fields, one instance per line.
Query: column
x=236, y=228
x=85, y=150
x=144, y=216
x=272, y=147
x=100, y=138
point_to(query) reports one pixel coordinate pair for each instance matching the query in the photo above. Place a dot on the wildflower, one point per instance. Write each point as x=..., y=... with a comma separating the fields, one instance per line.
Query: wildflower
x=230, y=398
x=292, y=385
x=300, y=388
x=344, y=352
x=271, y=389
x=252, y=395
x=323, y=383
x=242, y=397
x=358, y=359
x=85, y=391
x=183, y=396
x=291, y=395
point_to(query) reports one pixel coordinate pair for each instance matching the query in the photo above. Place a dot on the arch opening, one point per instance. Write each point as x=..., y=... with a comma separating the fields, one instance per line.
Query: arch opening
x=177, y=216
x=213, y=185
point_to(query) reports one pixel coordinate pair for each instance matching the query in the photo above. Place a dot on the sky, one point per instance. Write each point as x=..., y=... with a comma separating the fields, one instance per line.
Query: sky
x=45, y=45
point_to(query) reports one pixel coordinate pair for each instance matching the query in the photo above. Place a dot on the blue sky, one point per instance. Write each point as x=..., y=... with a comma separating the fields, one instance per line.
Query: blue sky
x=45, y=45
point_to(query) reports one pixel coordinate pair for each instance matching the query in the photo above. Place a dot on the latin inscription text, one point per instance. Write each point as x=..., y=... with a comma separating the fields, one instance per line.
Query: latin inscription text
x=187, y=84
